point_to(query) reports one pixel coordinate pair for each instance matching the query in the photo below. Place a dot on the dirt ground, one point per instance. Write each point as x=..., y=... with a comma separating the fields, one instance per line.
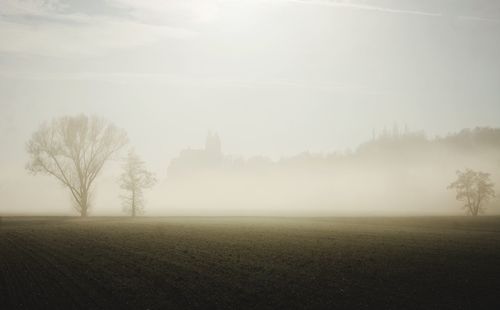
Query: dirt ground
x=250, y=263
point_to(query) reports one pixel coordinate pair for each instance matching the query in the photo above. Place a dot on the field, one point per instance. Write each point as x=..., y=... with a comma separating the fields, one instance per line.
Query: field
x=250, y=263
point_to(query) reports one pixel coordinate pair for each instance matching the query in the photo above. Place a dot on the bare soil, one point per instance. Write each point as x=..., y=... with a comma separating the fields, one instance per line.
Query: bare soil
x=250, y=263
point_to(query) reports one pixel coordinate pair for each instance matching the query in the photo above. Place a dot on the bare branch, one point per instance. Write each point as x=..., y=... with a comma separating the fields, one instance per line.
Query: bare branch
x=74, y=150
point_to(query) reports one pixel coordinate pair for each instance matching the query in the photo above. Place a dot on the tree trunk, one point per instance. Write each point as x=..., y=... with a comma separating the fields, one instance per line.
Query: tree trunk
x=84, y=204
x=475, y=212
x=133, y=203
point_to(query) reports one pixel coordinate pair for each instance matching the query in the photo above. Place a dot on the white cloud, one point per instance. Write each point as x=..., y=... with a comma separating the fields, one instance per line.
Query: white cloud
x=30, y=7
x=366, y=7
x=133, y=78
x=357, y=5
x=94, y=36
x=43, y=27
x=50, y=32
x=479, y=19
x=161, y=11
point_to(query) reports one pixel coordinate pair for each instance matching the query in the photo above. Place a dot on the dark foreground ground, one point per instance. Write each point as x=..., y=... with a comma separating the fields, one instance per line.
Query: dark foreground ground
x=239, y=263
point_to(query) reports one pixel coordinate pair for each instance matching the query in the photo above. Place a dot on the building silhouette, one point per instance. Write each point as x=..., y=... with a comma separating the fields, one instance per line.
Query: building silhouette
x=191, y=161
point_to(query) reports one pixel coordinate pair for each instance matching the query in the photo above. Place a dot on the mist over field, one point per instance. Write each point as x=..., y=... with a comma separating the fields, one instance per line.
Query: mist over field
x=319, y=107
x=392, y=174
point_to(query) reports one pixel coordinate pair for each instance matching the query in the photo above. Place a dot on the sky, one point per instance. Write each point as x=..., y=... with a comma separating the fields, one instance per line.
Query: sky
x=272, y=77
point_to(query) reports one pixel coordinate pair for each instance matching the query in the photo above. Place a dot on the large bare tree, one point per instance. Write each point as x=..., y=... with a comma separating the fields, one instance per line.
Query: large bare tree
x=134, y=179
x=74, y=150
x=474, y=189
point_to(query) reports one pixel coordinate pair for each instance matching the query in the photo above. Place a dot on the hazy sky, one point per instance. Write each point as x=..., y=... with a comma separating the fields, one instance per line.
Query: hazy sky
x=273, y=77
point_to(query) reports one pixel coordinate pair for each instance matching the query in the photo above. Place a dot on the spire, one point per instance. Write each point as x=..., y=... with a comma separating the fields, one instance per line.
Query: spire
x=213, y=144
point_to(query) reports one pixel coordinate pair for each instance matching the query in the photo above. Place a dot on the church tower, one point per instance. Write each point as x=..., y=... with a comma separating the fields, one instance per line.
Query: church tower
x=213, y=145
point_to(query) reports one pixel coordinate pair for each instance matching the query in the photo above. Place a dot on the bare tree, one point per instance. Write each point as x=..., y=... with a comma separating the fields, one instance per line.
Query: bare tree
x=134, y=179
x=474, y=189
x=74, y=151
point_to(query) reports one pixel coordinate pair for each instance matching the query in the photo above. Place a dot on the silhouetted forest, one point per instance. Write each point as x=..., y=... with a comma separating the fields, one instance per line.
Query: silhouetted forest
x=395, y=170
x=468, y=145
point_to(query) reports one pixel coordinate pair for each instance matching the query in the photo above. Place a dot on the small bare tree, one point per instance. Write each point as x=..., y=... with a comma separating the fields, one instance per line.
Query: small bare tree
x=74, y=151
x=474, y=189
x=134, y=179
